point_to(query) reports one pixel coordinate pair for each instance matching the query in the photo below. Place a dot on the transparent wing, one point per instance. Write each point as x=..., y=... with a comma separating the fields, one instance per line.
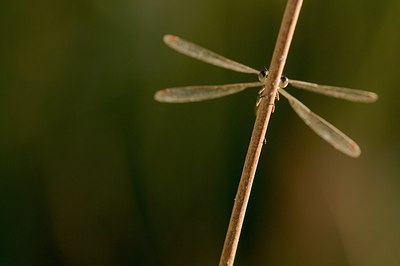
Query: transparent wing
x=193, y=50
x=323, y=128
x=337, y=92
x=200, y=93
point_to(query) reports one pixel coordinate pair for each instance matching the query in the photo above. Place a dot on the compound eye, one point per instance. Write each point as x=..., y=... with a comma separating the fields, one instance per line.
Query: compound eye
x=262, y=75
x=284, y=82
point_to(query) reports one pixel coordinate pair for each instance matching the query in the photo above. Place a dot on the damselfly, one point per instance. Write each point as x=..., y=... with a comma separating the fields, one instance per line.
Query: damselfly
x=200, y=93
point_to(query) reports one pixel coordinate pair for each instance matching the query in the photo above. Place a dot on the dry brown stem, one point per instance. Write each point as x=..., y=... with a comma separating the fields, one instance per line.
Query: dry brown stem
x=260, y=127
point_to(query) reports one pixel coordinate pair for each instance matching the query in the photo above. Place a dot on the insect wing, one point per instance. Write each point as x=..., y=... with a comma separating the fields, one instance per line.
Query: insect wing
x=193, y=50
x=323, y=128
x=336, y=92
x=200, y=93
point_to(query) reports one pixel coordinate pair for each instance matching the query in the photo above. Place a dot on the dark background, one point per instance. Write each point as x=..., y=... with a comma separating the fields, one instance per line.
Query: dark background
x=93, y=171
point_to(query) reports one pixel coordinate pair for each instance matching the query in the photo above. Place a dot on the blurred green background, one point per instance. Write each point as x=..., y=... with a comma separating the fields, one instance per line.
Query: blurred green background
x=93, y=171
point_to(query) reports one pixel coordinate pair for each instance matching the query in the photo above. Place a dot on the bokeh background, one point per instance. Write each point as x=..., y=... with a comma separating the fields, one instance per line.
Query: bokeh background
x=93, y=171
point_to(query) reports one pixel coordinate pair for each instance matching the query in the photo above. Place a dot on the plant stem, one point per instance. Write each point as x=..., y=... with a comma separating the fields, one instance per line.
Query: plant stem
x=260, y=127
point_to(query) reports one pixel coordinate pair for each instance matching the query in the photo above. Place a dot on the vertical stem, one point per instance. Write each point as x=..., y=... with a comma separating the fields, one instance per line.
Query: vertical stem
x=260, y=127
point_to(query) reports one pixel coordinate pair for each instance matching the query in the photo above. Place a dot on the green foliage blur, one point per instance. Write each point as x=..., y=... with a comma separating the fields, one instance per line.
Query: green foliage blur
x=93, y=171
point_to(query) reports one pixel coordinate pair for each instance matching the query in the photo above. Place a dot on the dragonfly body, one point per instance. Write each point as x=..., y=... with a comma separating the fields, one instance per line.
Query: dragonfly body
x=203, y=92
